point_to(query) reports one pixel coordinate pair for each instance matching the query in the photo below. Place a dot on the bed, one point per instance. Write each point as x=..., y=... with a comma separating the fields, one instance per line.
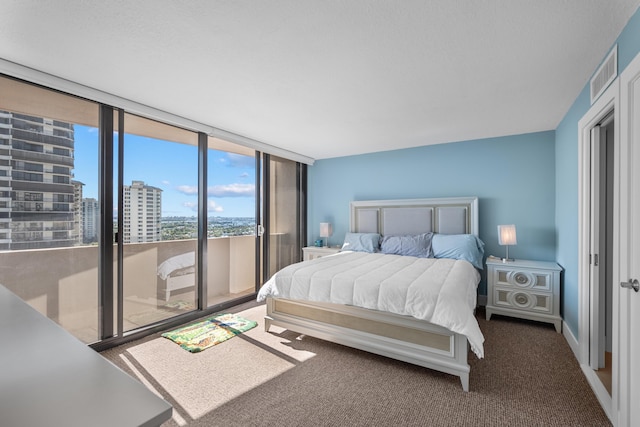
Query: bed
x=176, y=273
x=349, y=314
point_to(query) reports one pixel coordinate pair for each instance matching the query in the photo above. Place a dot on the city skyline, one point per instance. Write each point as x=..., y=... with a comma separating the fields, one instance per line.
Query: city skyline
x=50, y=193
x=172, y=167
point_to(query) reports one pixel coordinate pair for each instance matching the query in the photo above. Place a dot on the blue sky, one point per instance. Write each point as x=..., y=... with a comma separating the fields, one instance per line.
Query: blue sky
x=173, y=167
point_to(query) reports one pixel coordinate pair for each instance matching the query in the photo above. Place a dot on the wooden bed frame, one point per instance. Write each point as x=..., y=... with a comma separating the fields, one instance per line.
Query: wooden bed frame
x=399, y=337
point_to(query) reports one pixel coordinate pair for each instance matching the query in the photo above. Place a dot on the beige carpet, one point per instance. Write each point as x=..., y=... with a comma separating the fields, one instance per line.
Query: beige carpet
x=529, y=377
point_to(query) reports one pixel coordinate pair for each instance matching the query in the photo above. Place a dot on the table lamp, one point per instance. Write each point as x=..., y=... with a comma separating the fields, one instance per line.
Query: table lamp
x=507, y=237
x=325, y=231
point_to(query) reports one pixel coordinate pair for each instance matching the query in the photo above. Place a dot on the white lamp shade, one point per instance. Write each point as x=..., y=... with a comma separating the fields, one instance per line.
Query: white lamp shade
x=507, y=235
x=325, y=229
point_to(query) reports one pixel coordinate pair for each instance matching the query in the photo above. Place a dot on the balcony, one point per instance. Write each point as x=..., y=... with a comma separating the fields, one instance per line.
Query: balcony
x=43, y=156
x=62, y=283
x=36, y=135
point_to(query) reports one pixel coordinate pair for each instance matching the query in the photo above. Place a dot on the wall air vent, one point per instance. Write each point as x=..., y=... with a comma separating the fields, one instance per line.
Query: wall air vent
x=606, y=74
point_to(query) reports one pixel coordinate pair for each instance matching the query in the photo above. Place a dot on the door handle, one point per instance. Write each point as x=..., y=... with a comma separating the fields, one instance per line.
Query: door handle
x=631, y=284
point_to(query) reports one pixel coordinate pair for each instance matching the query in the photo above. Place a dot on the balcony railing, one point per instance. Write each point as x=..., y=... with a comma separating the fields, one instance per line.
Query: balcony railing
x=62, y=283
x=43, y=156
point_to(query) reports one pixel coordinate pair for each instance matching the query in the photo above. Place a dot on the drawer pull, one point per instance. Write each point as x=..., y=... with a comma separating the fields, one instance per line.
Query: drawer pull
x=522, y=279
x=521, y=299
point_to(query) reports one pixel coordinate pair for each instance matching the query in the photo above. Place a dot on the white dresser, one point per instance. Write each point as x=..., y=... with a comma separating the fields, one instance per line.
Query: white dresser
x=524, y=289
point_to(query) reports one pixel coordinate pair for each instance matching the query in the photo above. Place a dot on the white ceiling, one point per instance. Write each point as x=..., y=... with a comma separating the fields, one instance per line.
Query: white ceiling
x=328, y=78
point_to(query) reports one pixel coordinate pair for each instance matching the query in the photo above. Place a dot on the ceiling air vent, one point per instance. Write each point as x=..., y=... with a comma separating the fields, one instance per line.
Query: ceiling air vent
x=607, y=73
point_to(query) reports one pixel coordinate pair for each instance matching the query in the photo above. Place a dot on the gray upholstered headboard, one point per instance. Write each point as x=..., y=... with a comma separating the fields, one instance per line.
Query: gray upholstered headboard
x=453, y=215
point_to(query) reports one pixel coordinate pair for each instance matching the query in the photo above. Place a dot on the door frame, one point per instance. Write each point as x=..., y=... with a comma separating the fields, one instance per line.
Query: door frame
x=627, y=79
x=607, y=102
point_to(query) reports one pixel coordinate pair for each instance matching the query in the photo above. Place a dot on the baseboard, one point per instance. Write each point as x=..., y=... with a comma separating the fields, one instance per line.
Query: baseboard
x=571, y=340
x=598, y=389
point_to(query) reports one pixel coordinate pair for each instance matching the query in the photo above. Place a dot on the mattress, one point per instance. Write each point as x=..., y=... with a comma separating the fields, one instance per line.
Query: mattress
x=439, y=291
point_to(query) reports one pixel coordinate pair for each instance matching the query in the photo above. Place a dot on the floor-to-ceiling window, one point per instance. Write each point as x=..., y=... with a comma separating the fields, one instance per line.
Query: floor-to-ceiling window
x=231, y=220
x=284, y=212
x=49, y=207
x=111, y=222
x=159, y=221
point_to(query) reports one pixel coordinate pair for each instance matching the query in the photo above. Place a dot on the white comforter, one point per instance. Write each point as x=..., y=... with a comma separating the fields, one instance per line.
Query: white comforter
x=440, y=291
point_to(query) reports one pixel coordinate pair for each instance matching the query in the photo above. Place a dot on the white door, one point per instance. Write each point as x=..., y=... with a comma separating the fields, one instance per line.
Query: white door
x=629, y=244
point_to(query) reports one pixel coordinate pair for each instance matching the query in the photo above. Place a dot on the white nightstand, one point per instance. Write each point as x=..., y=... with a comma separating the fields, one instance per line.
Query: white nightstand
x=313, y=252
x=524, y=289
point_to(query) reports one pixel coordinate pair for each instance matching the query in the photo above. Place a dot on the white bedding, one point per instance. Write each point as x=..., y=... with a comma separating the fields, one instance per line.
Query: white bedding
x=177, y=262
x=440, y=291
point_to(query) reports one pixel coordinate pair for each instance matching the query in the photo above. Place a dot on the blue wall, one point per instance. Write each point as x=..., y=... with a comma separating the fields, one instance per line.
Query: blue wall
x=567, y=178
x=529, y=180
x=513, y=177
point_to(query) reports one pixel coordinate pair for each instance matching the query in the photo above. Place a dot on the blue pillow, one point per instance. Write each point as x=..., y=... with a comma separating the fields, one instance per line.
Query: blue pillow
x=459, y=246
x=362, y=242
x=418, y=245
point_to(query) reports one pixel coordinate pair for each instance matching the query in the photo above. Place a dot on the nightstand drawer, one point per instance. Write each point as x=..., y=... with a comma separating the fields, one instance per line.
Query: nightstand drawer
x=523, y=300
x=524, y=279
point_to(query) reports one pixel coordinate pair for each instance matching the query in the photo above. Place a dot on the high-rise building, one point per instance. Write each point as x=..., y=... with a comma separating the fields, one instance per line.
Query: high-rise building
x=90, y=220
x=142, y=213
x=36, y=192
x=78, y=221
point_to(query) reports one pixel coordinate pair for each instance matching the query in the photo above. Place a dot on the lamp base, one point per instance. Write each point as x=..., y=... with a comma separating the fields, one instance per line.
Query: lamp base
x=506, y=259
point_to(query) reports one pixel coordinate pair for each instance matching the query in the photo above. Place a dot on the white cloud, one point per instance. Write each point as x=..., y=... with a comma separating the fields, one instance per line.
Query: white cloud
x=214, y=207
x=241, y=161
x=244, y=175
x=191, y=205
x=190, y=190
x=225, y=190
x=232, y=190
x=211, y=206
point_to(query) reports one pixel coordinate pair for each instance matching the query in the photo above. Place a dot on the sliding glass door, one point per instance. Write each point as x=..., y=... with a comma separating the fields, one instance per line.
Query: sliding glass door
x=159, y=227
x=284, y=212
x=231, y=219
x=112, y=224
